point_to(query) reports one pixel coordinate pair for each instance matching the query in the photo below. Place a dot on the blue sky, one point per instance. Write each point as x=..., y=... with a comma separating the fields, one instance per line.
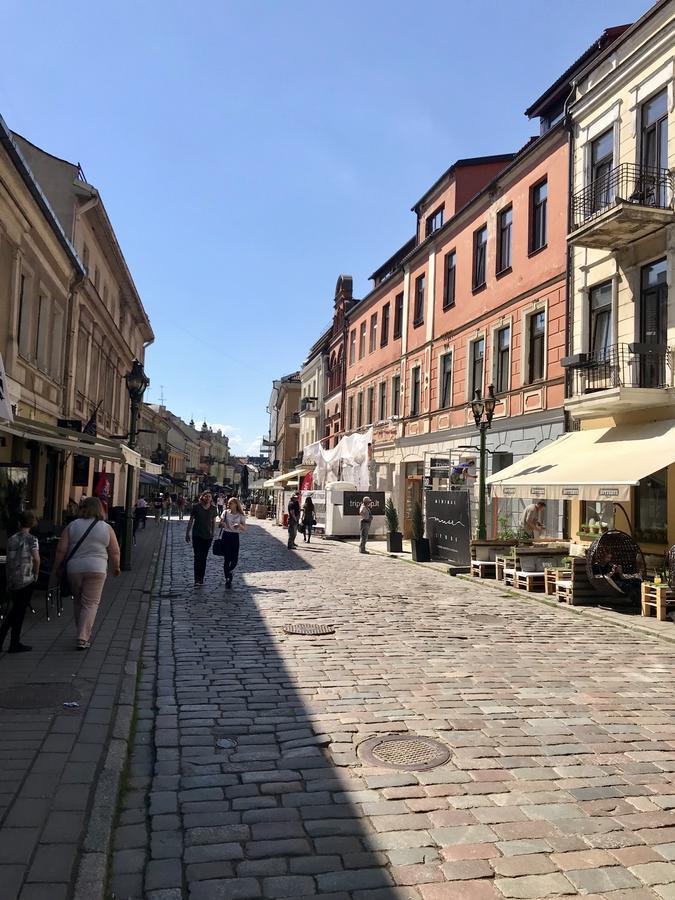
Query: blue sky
x=250, y=152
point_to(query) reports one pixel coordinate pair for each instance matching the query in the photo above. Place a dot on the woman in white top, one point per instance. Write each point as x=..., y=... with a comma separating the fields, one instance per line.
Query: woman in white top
x=87, y=567
x=232, y=522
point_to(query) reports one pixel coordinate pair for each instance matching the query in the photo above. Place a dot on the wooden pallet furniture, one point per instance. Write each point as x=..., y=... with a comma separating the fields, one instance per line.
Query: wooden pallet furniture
x=577, y=588
x=483, y=568
x=552, y=574
x=656, y=597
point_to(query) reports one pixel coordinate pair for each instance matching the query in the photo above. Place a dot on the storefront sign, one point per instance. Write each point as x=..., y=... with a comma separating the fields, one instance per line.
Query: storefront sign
x=608, y=492
x=449, y=526
x=570, y=492
x=6, y=414
x=353, y=500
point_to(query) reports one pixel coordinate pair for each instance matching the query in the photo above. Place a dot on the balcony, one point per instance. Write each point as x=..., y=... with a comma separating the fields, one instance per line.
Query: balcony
x=294, y=420
x=619, y=379
x=626, y=204
x=309, y=407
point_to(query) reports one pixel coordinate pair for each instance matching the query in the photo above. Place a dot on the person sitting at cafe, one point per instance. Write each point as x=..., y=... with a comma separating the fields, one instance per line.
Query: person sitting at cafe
x=628, y=584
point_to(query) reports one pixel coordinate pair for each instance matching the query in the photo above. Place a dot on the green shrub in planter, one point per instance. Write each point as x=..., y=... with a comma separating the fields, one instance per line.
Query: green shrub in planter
x=421, y=550
x=394, y=536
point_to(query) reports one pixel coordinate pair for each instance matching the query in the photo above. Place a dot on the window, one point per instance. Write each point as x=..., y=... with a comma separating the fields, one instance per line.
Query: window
x=600, y=511
x=651, y=508
x=419, y=301
x=445, y=372
x=502, y=359
x=449, y=279
x=26, y=344
x=435, y=221
x=370, y=403
x=538, y=198
x=504, y=226
x=352, y=347
x=384, y=339
x=602, y=160
x=654, y=150
x=85, y=258
x=501, y=460
x=398, y=316
x=476, y=358
x=373, y=333
x=600, y=304
x=362, y=340
x=359, y=409
x=350, y=413
x=396, y=395
x=479, y=257
x=535, y=344
x=415, y=383
x=97, y=277
x=382, y=401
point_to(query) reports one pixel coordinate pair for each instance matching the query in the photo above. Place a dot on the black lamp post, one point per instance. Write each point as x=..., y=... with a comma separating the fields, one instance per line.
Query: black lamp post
x=137, y=383
x=483, y=410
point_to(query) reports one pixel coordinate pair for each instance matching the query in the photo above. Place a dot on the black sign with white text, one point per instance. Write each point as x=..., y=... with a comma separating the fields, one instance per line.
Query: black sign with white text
x=449, y=526
x=354, y=499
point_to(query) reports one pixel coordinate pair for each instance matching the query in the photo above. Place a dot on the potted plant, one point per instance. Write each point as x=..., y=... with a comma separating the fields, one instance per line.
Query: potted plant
x=394, y=536
x=421, y=551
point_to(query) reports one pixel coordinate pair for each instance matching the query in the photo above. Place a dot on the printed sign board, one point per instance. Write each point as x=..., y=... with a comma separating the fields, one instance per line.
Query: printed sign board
x=353, y=500
x=449, y=526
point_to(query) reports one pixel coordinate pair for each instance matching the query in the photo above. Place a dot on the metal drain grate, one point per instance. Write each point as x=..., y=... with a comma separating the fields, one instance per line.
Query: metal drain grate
x=309, y=628
x=408, y=752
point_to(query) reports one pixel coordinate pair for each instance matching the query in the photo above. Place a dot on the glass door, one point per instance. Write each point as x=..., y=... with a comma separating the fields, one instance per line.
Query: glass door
x=653, y=324
x=654, y=151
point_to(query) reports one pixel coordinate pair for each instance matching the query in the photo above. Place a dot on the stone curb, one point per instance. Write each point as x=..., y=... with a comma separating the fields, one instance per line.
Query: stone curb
x=92, y=874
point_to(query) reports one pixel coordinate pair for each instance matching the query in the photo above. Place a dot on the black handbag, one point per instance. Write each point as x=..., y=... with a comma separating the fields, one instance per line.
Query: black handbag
x=218, y=546
x=66, y=589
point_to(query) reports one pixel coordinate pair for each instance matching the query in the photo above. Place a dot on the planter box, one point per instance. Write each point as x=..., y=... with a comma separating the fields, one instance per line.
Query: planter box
x=394, y=542
x=421, y=550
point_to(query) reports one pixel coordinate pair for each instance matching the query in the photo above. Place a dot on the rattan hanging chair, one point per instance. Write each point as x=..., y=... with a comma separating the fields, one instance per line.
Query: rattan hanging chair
x=669, y=567
x=621, y=550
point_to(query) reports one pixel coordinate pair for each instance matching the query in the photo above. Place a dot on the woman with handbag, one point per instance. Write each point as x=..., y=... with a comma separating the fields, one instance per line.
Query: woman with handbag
x=84, y=551
x=232, y=523
x=308, y=519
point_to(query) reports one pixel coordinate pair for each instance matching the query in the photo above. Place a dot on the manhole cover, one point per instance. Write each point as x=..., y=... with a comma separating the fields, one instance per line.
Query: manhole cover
x=309, y=628
x=409, y=752
x=226, y=743
x=38, y=696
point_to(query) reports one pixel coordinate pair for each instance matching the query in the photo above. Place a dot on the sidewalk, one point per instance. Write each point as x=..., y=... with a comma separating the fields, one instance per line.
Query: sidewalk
x=53, y=759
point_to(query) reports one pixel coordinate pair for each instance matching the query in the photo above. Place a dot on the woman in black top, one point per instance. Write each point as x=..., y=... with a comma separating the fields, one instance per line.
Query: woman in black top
x=308, y=519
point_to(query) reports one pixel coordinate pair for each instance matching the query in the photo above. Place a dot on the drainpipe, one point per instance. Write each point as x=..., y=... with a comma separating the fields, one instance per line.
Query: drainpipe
x=569, y=281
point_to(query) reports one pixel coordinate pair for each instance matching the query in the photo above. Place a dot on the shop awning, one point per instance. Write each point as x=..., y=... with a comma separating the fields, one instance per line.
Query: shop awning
x=74, y=441
x=288, y=476
x=150, y=467
x=598, y=464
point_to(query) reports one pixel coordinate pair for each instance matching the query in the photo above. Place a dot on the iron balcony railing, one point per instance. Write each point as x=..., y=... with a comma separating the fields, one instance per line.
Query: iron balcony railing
x=294, y=418
x=308, y=404
x=622, y=365
x=628, y=183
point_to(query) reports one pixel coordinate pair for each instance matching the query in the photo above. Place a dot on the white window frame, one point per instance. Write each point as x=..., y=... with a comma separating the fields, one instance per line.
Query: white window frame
x=506, y=322
x=413, y=368
x=469, y=363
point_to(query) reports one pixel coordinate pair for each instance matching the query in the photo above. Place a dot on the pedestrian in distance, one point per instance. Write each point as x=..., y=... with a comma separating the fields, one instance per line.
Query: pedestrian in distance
x=23, y=568
x=86, y=548
x=366, y=516
x=293, y=520
x=167, y=506
x=180, y=503
x=220, y=505
x=200, y=526
x=158, y=505
x=232, y=523
x=140, y=513
x=308, y=519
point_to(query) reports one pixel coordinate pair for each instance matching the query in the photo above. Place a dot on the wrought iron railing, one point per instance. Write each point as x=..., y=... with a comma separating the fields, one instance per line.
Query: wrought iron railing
x=629, y=183
x=294, y=418
x=308, y=404
x=622, y=365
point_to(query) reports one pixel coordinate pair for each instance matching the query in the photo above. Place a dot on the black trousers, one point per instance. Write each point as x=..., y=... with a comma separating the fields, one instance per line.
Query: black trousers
x=14, y=620
x=308, y=531
x=231, y=558
x=201, y=548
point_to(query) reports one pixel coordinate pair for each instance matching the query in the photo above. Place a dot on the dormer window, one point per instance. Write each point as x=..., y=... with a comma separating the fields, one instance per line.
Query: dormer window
x=434, y=221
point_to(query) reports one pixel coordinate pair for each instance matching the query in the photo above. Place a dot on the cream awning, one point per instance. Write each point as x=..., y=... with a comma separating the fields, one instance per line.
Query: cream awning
x=150, y=467
x=74, y=441
x=598, y=464
x=282, y=479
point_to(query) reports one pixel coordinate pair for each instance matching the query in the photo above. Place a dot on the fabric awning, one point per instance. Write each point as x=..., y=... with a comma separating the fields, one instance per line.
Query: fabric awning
x=150, y=467
x=288, y=476
x=74, y=441
x=598, y=464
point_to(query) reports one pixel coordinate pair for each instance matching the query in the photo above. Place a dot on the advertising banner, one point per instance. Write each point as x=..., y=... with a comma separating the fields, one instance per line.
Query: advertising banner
x=353, y=500
x=449, y=526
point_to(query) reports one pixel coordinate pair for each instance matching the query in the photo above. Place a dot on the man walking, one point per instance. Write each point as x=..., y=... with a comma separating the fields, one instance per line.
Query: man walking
x=293, y=519
x=366, y=518
x=201, y=524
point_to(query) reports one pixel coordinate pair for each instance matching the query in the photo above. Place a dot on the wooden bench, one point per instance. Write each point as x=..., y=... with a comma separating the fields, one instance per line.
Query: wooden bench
x=576, y=587
x=483, y=568
x=657, y=597
x=553, y=574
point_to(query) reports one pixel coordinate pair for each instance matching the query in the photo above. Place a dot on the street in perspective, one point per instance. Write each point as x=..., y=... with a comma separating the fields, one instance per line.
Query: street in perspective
x=337, y=534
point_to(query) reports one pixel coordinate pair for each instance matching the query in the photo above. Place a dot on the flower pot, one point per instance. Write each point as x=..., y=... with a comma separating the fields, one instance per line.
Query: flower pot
x=394, y=542
x=421, y=550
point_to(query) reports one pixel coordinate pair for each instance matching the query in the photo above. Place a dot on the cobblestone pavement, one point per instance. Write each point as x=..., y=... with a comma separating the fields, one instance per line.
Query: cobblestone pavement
x=561, y=732
x=52, y=757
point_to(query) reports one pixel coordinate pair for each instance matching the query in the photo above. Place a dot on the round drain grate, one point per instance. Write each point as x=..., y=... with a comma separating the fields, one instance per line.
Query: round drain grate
x=38, y=696
x=309, y=628
x=409, y=752
x=226, y=743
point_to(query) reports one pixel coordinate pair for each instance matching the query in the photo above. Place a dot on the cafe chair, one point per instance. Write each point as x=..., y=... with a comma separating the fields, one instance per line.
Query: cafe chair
x=620, y=549
x=658, y=597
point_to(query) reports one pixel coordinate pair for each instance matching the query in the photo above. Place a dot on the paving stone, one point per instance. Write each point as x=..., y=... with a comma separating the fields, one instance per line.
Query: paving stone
x=288, y=886
x=655, y=872
x=602, y=880
x=231, y=889
x=535, y=886
x=529, y=864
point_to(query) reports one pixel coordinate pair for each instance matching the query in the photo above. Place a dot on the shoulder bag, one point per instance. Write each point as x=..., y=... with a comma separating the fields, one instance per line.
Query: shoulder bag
x=219, y=544
x=66, y=589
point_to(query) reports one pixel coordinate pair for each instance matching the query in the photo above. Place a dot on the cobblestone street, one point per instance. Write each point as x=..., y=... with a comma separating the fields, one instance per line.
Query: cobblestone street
x=561, y=732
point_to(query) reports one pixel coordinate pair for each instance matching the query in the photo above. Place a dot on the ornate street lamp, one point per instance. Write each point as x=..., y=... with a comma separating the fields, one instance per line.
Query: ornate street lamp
x=137, y=383
x=483, y=410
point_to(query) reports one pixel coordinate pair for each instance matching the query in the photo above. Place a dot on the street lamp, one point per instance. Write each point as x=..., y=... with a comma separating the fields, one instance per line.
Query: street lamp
x=483, y=410
x=137, y=383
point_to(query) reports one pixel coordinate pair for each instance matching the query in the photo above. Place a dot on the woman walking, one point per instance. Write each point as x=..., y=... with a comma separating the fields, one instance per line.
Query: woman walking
x=86, y=548
x=308, y=519
x=200, y=526
x=232, y=523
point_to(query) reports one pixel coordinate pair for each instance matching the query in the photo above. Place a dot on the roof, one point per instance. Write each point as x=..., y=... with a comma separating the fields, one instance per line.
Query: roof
x=393, y=261
x=560, y=85
x=460, y=164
